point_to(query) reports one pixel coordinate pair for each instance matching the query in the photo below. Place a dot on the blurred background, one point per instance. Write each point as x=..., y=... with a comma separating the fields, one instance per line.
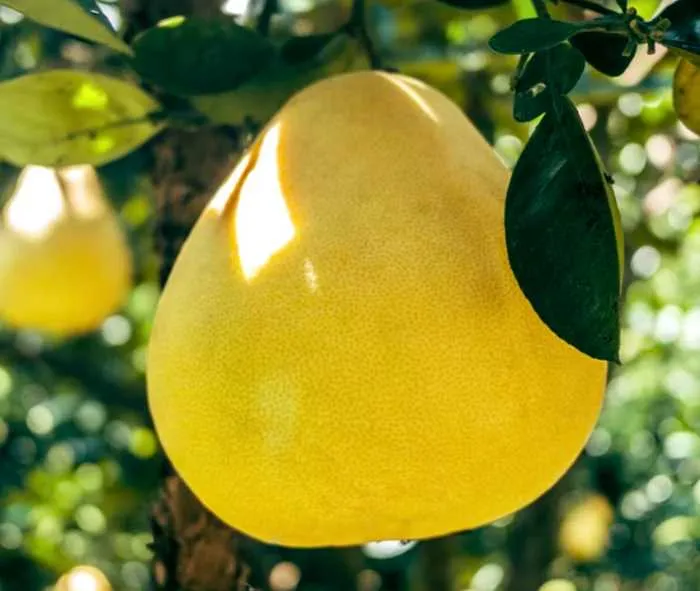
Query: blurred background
x=80, y=464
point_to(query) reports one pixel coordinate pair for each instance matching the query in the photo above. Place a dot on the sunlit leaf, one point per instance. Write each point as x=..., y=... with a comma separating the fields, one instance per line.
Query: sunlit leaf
x=561, y=234
x=604, y=51
x=683, y=36
x=686, y=94
x=71, y=17
x=62, y=117
x=645, y=8
x=555, y=70
x=193, y=56
x=264, y=94
x=532, y=34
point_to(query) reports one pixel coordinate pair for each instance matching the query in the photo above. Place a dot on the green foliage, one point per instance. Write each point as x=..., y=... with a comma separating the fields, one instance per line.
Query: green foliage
x=532, y=34
x=606, y=52
x=62, y=117
x=683, y=33
x=563, y=251
x=299, y=63
x=546, y=75
x=193, y=56
x=584, y=311
x=83, y=19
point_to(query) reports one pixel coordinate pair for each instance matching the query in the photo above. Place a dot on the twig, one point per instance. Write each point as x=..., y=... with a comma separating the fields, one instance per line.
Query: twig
x=517, y=75
x=589, y=5
x=541, y=8
x=269, y=8
x=357, y=26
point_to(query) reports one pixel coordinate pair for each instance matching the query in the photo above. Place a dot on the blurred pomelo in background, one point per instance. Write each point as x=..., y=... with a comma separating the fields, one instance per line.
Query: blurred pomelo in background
x=64, y=260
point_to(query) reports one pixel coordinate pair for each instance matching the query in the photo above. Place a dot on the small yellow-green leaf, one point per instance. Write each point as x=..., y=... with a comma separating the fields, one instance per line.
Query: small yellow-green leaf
x=71, y=17
x=686, y=94
x=63, y=117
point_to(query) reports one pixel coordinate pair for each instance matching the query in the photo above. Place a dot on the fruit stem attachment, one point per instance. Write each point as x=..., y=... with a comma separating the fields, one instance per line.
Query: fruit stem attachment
x=357, y=27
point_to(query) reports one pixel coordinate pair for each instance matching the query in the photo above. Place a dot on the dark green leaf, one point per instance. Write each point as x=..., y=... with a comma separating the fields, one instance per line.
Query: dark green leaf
x=683, y=36
x=532, y=34
x=260, y=97
x=555, y=70
x=474, y=4
x=77, y=18
x=63, y=117
x=561, y=234
x=300, y=49
x=604, y=51
x=193, y=56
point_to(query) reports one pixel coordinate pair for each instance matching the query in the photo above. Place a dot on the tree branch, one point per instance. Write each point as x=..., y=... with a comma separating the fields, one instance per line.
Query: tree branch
x=357, y=26
x=541, y=8
x=269, y=8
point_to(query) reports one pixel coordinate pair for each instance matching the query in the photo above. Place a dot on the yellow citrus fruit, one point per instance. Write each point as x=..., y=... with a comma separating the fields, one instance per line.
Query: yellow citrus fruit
x=64, y=261
x=584, y=531
x=686, y=94
x=342, y=353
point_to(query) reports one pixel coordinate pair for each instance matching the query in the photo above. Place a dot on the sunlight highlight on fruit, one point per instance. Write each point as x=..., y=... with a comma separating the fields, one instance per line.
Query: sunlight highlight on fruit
x=38, y=203
x=417, y=98
x=263, y=224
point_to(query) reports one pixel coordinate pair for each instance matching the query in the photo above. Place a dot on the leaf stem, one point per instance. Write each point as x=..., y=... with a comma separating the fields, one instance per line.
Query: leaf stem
x=589, y=5
x=517, y=75
x=357, y=26
x=269, y=8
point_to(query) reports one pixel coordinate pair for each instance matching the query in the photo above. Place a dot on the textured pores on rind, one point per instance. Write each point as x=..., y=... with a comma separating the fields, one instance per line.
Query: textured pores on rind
x=380, y=375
